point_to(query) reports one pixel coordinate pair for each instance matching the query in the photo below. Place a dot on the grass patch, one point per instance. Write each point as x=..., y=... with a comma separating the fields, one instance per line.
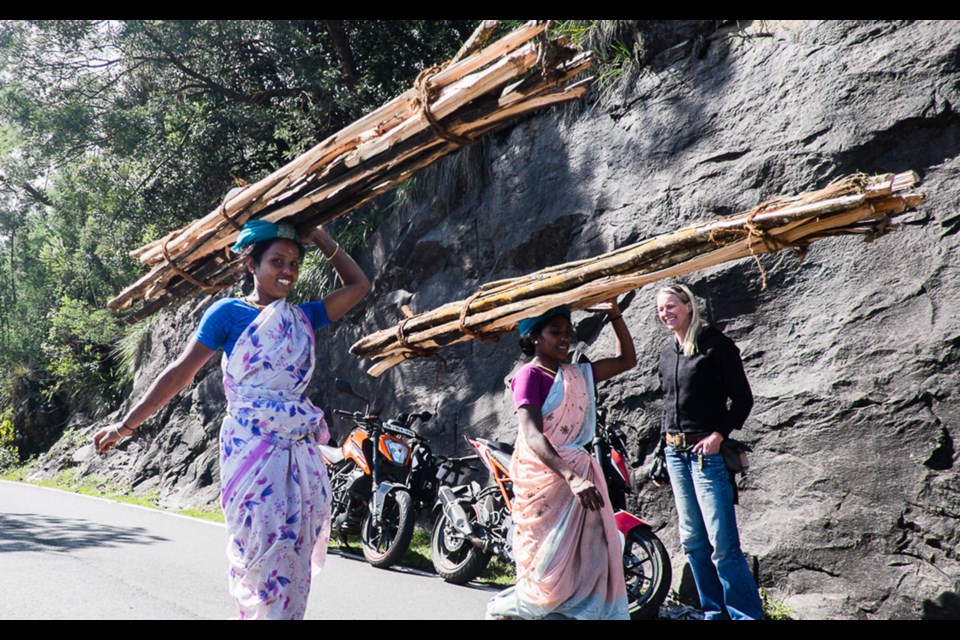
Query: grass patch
x=212, y=513
x=417, y=555
x=774, y=609
x=498, y=573
x=70, y=480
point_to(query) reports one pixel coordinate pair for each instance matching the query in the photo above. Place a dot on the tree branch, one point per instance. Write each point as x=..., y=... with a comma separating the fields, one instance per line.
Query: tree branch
x=341, y=45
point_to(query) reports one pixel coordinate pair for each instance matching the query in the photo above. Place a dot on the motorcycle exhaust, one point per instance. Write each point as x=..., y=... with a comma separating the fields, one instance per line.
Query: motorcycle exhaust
x=454, y=512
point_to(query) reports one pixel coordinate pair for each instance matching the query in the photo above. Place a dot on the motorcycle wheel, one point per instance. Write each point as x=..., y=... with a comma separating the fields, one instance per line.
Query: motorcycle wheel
x=384, y=542
x=456, y=559
x=647, y=571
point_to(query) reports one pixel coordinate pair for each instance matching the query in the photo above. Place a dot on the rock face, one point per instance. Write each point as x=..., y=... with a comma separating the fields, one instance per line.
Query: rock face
x=851, y=507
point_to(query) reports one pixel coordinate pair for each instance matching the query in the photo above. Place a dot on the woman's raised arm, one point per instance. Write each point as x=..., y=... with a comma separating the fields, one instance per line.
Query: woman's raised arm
x=626, y=357
x=355, y=281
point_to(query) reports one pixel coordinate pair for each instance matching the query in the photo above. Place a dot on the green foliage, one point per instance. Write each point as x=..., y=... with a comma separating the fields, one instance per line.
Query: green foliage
x=774, y=609
x=127, y=349
x=618, y=46
x=77, y=351
x=8, y=452
x=112, y=133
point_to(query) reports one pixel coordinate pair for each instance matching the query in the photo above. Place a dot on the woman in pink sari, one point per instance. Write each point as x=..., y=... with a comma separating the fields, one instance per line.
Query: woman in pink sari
x=566, y=543
x=274, y=487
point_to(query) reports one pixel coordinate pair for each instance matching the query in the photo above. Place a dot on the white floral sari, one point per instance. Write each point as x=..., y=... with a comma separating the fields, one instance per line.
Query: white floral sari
x=274, y=487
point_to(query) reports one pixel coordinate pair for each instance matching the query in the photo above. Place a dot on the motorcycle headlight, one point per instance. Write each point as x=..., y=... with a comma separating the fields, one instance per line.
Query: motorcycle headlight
x=398, y=451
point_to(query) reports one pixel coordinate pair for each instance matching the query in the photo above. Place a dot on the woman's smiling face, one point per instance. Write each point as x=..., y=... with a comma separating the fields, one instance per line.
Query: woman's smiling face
x=277, y=271
x=553, y=343
x=674, y=313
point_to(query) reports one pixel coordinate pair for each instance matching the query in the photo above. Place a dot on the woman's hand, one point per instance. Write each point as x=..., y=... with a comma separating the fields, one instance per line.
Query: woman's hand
x=610, y=307
x=710, y=444
x=108, y=437
x=586, y=493
x=324, y=241
x=171, y=380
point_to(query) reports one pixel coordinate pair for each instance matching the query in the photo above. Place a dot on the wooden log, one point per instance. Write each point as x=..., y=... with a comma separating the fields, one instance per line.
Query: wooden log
x=856, y=205
x=371, y=126
x=345, y=170
x=619, y=261
x=158, y=279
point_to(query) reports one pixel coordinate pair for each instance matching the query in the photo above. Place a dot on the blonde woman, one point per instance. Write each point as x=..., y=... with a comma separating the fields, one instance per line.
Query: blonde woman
x=705, y=396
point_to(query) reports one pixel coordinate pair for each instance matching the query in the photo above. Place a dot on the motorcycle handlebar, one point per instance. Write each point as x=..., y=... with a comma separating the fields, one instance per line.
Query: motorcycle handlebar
x=461, y=463
x=353, y=415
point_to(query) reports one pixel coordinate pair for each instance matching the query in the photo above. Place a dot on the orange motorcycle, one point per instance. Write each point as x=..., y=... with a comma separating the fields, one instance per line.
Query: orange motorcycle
x=368, y=475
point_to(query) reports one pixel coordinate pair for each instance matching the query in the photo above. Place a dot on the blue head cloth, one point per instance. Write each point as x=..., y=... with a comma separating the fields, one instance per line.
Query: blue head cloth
x=255, y=231
x=526, y=325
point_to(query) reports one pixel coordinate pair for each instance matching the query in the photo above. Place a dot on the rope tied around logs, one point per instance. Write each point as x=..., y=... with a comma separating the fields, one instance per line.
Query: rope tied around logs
x=206, y=287
x=415, y=351
x=754, y=235
x=426, y=95
x=234, y=192
x=462, y=326
x=222, y=210
x=419, y=352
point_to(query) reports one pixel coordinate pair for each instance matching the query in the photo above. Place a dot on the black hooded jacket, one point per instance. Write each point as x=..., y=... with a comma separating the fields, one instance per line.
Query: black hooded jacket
x=696, y=389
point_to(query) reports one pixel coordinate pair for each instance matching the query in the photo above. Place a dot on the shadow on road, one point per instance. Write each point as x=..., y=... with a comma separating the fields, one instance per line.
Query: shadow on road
x=33, y=532
x=348, y=553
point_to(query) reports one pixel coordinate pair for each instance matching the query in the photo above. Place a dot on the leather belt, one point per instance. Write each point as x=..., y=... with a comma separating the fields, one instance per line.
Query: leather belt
x=685, y=440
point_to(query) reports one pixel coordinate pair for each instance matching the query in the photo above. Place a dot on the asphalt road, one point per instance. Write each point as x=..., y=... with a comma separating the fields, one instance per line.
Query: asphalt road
x=68, y=556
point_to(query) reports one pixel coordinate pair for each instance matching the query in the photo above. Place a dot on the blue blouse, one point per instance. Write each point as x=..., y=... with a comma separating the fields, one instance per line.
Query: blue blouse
x=224, y=321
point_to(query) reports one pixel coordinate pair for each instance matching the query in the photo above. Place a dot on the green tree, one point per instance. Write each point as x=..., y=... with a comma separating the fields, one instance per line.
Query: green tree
x=114, y=132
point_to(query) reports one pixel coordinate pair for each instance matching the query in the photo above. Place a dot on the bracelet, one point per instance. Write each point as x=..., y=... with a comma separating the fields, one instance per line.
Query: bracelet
x=123, y=426
x=617, y=318
x=331, y=256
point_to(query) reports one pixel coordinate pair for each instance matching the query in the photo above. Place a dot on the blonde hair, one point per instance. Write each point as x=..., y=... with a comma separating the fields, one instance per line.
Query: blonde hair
x=696, y=322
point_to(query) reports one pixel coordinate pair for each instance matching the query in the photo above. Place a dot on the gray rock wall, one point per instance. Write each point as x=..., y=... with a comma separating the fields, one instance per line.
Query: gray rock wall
x=851, y=508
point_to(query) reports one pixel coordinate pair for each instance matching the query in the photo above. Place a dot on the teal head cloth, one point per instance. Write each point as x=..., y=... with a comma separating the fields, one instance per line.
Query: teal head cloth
x=255, y=231
x=526, y=325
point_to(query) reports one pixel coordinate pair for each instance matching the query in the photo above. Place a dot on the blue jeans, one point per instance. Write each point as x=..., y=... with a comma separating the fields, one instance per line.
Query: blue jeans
x=708, y=534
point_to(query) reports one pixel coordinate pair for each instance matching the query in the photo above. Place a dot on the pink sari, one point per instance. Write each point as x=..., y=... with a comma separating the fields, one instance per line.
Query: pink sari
x=569, y=559
x=274, y=487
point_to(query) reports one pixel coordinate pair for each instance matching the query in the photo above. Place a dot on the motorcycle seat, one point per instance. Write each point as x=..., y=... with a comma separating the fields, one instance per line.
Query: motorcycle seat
x=332, y=454
x=500, y=450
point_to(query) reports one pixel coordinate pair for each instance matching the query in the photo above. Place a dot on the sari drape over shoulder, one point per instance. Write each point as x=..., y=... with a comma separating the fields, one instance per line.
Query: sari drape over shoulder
x=275, y=491
x=569, y=559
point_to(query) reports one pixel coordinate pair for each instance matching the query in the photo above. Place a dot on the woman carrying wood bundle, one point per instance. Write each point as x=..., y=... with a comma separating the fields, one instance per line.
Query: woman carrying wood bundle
x=700, y=370
x=274, y=487
x=566, y=542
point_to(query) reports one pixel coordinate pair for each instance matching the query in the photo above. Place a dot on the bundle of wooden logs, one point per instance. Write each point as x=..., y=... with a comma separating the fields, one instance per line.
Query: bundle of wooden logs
x=853, y=205
x=450, y=106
